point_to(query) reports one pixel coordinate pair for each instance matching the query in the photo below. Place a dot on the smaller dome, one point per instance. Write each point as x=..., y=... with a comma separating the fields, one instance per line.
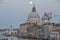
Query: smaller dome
x=47, y=16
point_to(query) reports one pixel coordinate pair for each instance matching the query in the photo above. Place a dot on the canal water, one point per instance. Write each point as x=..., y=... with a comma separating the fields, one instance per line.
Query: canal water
x=13, y=38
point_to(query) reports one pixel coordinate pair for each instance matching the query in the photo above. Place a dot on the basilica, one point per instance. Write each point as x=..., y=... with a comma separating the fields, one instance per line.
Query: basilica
x=34, y=27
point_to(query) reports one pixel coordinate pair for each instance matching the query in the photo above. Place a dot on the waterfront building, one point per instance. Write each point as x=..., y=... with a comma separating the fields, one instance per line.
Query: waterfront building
x=54, y=35
x=11, y=31
x=56, y=26
x=47, y=28
x=34, y=28
x=23, y=28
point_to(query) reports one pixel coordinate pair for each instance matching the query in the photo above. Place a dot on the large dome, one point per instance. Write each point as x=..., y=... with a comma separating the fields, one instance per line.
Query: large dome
x=33, y=16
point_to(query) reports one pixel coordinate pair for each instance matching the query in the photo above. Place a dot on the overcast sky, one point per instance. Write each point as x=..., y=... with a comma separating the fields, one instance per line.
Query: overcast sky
x=15, y=12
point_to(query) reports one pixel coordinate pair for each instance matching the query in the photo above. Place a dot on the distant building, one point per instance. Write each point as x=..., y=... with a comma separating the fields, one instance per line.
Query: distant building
x=11, y=31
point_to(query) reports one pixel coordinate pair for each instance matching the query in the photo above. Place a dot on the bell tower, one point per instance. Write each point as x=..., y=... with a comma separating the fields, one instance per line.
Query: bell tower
x=47, y=18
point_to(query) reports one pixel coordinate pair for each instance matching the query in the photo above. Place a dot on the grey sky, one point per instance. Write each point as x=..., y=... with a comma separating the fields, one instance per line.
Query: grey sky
x=15, y=12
